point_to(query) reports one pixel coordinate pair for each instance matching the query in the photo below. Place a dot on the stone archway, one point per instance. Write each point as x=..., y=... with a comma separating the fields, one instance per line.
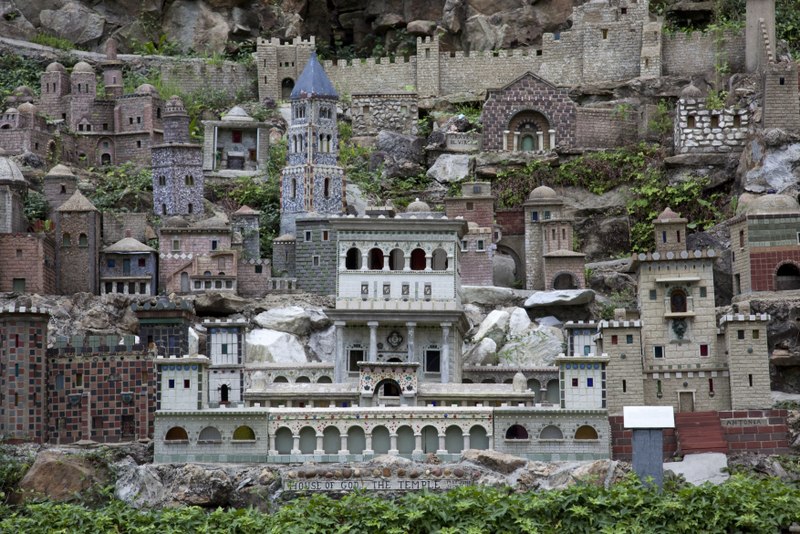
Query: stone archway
x=787, y=277
x=287, y=85
x=528, y=131
x=564, y=281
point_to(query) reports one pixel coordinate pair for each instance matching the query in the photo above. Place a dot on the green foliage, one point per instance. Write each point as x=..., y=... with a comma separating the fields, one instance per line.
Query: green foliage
x=15, y=71
x=36, y=206
x=618, y=299
x=45, y=39
x=716, y=99
x=354, y=159
x=787, y=24
x=661, y=121
x=12, y=469
x=742, y=504
x=471, y=111
x=160, y=46
x=119, y=188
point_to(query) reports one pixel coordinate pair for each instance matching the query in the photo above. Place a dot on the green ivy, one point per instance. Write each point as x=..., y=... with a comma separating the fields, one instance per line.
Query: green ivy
x=15, y=71
x=119, y=188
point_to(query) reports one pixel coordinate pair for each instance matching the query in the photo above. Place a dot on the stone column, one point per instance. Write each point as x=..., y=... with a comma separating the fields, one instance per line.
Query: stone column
x=490, y=437
x=296, y=444
x=417, y=444
x=368, y=449
x=385, y=262
x=516, y=142
x=505, y=139
x=343, y=448
x=552, y=139
x=393, y=444
x=373, y=340
x=364, y=262
x=410, y=340
x=428, y=262
x=540, y=140
x=340, y=361
x=466, y=441
x=271, y=441
x=320, y=446
x=445, y=354
x=442, y=446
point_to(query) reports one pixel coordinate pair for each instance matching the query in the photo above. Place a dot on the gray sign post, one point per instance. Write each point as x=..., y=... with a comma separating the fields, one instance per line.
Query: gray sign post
x=648, y=423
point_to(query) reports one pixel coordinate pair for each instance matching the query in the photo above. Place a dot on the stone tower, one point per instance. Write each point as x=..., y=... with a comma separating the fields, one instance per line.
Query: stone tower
x=55, y=86
x=59, y=185
x=245, y=222
x=547, y=231
x=78, y=243
x=670, y=232
x=759, y=32
x=12, y=187
x=112, y=71
x=83, y=89
x=23, y=404
x=178, y=184
x=312, y=180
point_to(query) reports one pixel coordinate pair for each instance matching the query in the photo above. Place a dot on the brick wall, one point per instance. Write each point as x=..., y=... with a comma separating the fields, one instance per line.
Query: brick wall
x=765, y=263
x=511, y=220
x=250, y=282
x=77, y=264
x=605, y=128
x=763, y=431
x=697, y=53
x=316, y=276
x=481, y=212
x=197, y=75
x=621, y=440
x=30, y=257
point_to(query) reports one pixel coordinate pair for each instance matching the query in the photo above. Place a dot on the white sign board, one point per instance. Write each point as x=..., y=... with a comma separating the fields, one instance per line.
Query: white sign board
x=648, y=417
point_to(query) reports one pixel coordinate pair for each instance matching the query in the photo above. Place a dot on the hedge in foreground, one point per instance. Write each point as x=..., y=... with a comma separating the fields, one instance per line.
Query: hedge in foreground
x=742, y=504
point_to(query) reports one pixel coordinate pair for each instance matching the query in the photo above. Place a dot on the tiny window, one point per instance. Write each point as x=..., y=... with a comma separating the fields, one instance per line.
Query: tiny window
x=189, y=180
x=737, y=121
x=214, y=244
x=781, y=81
x=236, y=136
x=176, y=245
x=715, y=121
x=653, y=294
x=663, y=237
x=690, y=121
x=614, y=340
x=480, y=245
x=112, y=264
x=711, y=385
x=470, y=206
x=19, y=252
x=162, y=180
x=703, y=292
x=703, y=350
x=590, y=382
x=741, y=238
x=325, y=235
x=83, y=240
x=315, y=261
x=623, y=11
x=433, y=361
x=308, y=235
x=750, y=380
x=535, y=217
x=605, y=33
x=224, y=348
x=259, y=269
x=624, y=386
x=629, y=339
x=171, y=383
x=187, y=383
x=546, y=215
x=574, y=382
x=138, y=144
x=142, y=262
x=464, y=245
x=756, y=334
x=79, y=380
x=658, y=351
x=740, y=334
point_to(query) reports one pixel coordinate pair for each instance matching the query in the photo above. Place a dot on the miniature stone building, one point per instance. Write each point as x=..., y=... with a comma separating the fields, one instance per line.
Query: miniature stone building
x=77, y=235
x=476, y=206
x=245, y=221
x=235, y=144
x=227, y=355
x=28, y=263
x=12, y=187
x=60, y=183
x=312, y=181
x=128, y=267
x=765, y=245
x=396, y=112
x=550, y=261
x=699, y=130
x=178, y=181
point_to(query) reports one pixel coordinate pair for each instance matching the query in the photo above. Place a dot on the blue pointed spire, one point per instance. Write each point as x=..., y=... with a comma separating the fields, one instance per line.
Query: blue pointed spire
x=313, y=82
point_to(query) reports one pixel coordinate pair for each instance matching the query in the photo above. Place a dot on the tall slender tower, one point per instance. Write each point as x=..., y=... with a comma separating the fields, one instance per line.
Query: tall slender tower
x=312, y=180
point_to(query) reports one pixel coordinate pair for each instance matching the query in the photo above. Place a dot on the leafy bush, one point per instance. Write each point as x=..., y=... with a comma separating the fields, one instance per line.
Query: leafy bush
x=36, y=207
x=45, y=39
x=15, y=71
x=120, y=188
x=12, y=469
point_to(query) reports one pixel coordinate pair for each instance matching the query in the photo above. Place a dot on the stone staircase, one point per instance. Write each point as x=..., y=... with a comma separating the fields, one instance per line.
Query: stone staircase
x=699, y=432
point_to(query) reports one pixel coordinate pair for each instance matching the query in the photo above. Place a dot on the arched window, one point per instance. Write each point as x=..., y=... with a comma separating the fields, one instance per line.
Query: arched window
x=244, y=433
x=396, y=260
x=439, y=260
x=564, y=281
x=83, y=240
x=210, y=435
x=190, y=207
x=418, y=262
x=66, y=240
x=677, y=301
x=302, y=380
x=176, y=433
x=551, y=432
x=516, y=432
x=327, y=187
x=280, y=380
x=189, y=180
x=286, y=88
x=586, y=432
x=375, y=259
x=294, y=187
x=162, y=180
x=163, y=209
x=787, y=277
x=353, y=259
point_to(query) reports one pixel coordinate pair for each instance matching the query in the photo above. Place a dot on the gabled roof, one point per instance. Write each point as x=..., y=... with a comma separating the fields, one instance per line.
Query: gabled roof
x=128, y=244
x=77, y=202
x=246, y=210
x=313, y=82
x=529, y=74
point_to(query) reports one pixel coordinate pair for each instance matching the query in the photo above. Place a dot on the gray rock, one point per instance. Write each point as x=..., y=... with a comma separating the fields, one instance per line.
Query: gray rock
x=493, y=296
x=450, y=168
x=549, y=320
x=322, y=344
x=496, y=461
x=421, y=27
x=495, y=327
x=519, y=323
x=504, y=270
x=265, y=345
x=474, y=314
x=539, y=348
x=74, y=22
x=355, y=199
x=778, y=170
x=195, y=26
x=483, y=352
x=211, y=303
x=400, y=147
x=293, y=319
x=564, y=297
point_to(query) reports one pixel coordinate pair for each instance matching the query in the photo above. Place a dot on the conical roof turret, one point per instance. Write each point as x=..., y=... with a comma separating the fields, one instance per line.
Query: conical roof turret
x=313, y=82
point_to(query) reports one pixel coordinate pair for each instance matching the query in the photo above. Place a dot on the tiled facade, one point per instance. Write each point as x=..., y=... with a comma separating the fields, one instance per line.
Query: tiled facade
x=78, y=240
x=235, y=145
x=476, y=206
x=28, y=264
x=396, y=112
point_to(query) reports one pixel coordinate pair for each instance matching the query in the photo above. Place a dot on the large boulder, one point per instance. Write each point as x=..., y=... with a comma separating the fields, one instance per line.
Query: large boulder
x=195, y=26
x=265, y=345
x=504, y=270
x=74, y=22
x=539, y=348
x=482, y=353
x=493, y=296
x=322, y=344
x=562, y=297
x=213, y=303
x=57, y=476
x=496, y=461
x=450, y=168
x=400, y=147
x=293, y=319
x=518, y=323
x=770, y=163
x=495, y=327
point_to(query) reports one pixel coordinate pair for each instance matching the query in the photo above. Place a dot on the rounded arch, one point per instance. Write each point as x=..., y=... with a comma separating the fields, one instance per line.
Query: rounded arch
x=210, y=434
x=529, y=130
x=388, y=387
x=352, y=260
x=356, y=440
x=551, y=432
x=380, y=440
x=439, y=260
x=66, y=239
x=418, y=261
x=787, y=276
x=586, y=432
x=565, y=281
x=552, y=394
x=105, y=151
x=478, y=438
x=454, y=439
x=331, y=440
x=324, y=379
x=488, y=381
x=283, y=440
x=287, y=85
x=176, y=433
x=405, y=440
x=517, y=431
x=302, y=380
x=244, y=433
x=535, y=386
x=430, y=439
x=308, y=440
x=397, y=260
x=280, y=380
x=677, y=300
x=375, y=259
x=519, y=266
x=466, y=381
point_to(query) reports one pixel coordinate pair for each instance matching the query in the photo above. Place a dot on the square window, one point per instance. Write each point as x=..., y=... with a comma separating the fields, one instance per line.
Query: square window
x=703, y=350
x=111, y=264
x=613, y=340
x=355, y=356
x=658, y=351
x=171, y=383
x=326, y=235
x=433, y=361
x=315, y=261
x=590, y=382
x=653, y=294
x=464, y=245
x=259, y=269
x=587, y=350
x=740, y=334
x=574, y=382
x=535, y=217
x=470, y=206
x=546, y=215
x=756, y=334
x=629, y=339
x=176, y=245
x=236, y=136
x=214, y=244
x=142, y=262
x=308, y=235
x=480, y=245
x=224, y=348
x=703, y=292
x=187, y=383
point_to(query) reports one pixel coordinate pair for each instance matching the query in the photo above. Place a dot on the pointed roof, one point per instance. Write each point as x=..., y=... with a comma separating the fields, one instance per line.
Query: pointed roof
x=128, y=244
x=313, y=82
x=9, y=172
x=246, y=210
x=77, y=202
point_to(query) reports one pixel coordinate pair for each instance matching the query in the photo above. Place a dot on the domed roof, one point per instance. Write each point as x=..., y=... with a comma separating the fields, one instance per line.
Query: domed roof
x=767, y=204
x=668, y=215
x=176, y=222
x=146, y=89
x=82, y=66
x=236, y=113
x=542, y=192
x=55, y=66
x=9, y=172
x=12, y=110
x=418, y=206
x=60, y=170
x=691, y=91
x=27, y=107
x=23, y=90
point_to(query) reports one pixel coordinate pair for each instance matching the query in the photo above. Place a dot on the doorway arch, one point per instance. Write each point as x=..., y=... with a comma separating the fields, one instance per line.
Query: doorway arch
x=287, y=86
x=787, y=277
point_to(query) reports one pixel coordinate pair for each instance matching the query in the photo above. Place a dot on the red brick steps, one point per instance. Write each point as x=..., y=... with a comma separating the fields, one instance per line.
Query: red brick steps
x=699, y=432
